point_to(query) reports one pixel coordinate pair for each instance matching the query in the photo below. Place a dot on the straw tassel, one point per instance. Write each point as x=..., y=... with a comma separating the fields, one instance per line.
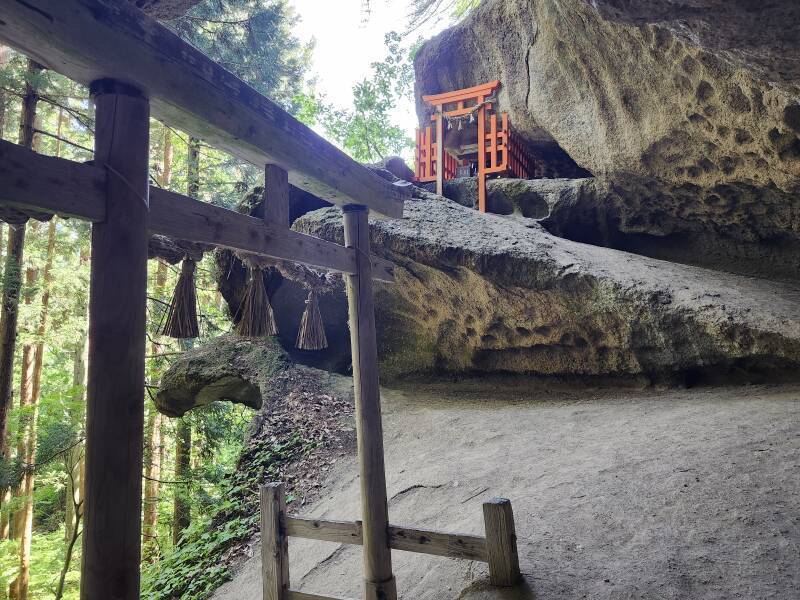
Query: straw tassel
x=182, y=317
x=311, y=335
x=257, y=320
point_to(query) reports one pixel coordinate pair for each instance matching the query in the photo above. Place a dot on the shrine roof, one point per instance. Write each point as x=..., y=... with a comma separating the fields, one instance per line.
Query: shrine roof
x=484, y=90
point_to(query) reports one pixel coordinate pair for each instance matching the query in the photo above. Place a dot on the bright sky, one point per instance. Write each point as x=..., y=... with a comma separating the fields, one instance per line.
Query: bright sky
x=348, y=40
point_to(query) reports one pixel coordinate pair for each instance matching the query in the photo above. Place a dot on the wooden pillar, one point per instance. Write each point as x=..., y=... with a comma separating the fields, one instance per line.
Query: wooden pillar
x=274, y=543
x=276, y=195
x=115, y=386
x=501, y=542
x=482, y=159
x=439, y=152
x=379, y=583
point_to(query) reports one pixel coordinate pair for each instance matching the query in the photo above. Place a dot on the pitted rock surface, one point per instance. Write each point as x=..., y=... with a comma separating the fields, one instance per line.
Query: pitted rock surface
x=690, y=111
x=229, y=368
x=488, y=293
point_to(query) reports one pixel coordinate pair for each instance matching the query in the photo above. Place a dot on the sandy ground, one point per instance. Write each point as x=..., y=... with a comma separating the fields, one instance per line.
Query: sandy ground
x=616, y=493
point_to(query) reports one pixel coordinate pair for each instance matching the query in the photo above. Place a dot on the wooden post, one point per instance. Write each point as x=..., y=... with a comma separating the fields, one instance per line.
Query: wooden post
x=274, y=543
x=482, y=159
x=501, y=542
x=115, y=386
x=276, y=195
x=439, y=151
x=379, y=583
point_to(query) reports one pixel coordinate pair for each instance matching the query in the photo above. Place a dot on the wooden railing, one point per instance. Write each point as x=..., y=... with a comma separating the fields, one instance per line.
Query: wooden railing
x=498, y=547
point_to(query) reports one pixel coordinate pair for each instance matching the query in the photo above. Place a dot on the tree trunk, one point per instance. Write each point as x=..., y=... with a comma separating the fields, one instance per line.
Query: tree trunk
x=73, y=538
x=3, y=60
x=12, y=282
x=193, y=168
x=23, y=519
x=30, y=433
x=74, y=461
x=183, y=453
x=153, y=451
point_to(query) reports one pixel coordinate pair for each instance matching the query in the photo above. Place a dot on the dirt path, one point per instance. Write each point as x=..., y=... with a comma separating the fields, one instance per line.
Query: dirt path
x=616, y=494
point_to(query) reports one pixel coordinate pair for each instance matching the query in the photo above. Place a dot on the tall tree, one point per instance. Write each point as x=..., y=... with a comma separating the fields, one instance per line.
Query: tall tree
x=12, y=281
x=29, y=433
x=182, y=511
x=154, y=450
x=74, y=464
x=366, y=130
x=253, y=39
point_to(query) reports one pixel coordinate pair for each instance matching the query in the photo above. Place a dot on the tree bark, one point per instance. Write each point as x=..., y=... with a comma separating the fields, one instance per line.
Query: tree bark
x=153, y=454
x=28, y=480
x=183, y=452
x=12, y=283
x=193, y=168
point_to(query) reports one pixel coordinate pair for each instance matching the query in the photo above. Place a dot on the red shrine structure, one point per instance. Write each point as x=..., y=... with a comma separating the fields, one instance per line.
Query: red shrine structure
x=475, y=140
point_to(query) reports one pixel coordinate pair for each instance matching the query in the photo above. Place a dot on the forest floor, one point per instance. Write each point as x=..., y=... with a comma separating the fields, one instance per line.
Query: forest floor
x=652, y=494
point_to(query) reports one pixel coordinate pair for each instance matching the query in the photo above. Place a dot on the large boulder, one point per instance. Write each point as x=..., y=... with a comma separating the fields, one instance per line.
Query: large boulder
x=588, y=210
x=231, y=369
x=689, y=110
x=487, y=293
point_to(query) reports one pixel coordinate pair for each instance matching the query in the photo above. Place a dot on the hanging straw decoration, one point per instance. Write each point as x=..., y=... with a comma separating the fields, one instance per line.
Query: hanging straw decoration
x=182, y=317
x=468, y=117
x=311, y=335
x=257, y=318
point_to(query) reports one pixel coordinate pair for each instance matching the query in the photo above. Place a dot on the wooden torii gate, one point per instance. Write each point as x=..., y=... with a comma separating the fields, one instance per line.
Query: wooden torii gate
x=135, y=67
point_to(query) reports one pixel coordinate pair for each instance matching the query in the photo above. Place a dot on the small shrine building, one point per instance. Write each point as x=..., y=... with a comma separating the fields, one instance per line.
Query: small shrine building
x=477, y=141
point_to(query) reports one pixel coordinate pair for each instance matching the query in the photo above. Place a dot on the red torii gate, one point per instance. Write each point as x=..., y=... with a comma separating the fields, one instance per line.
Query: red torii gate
x=494, y=150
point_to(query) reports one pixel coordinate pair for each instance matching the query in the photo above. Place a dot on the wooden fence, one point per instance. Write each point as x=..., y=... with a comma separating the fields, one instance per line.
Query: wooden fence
x=498, y=548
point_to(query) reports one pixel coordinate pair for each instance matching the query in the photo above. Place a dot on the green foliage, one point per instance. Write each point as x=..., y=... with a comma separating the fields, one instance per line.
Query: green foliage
x=424, y=11
x=45, y=568
x=195, y=568
x=254, y=40
x=366, y=130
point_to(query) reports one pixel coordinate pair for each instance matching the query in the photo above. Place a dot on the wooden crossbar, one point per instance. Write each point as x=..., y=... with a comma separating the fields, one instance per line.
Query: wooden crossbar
x=424, y=541
x=60, y=186
x=466, y=94
x=88, y=40
x=450, y=545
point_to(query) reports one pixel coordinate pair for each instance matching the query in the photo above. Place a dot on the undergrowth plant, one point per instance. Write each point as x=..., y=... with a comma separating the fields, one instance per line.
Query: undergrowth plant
x=198, y=565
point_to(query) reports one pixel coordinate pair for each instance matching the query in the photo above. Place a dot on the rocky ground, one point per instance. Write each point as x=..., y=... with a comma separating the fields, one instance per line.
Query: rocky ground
x=616, y=493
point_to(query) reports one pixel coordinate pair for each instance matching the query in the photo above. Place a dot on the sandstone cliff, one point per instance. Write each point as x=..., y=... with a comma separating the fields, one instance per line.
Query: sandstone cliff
x=689, y=112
